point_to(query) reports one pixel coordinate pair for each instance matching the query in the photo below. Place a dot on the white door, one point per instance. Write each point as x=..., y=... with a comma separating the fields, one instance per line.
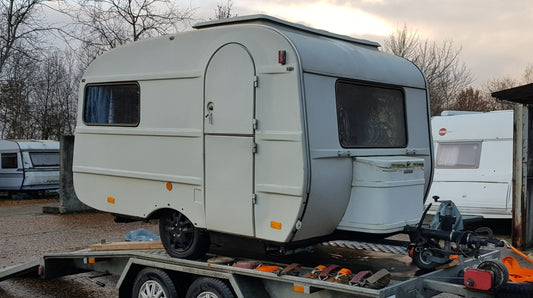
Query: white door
x=229, y=136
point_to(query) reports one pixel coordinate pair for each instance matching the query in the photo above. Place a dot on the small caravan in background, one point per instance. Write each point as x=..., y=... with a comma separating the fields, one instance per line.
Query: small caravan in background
x=474, y=162
x=29, y=165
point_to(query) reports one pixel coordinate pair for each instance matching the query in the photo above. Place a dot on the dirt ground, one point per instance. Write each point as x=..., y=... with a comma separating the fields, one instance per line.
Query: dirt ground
x=27, y=233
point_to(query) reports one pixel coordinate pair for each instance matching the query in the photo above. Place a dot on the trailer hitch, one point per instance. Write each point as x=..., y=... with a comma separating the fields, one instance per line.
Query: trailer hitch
x=436, y=246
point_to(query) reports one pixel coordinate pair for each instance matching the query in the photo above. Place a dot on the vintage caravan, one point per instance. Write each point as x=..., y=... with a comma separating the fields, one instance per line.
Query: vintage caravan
x=255, y=127
x=474, y=162
x=29, y=165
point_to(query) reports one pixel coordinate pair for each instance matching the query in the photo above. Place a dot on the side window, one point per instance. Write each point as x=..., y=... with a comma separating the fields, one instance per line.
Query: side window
x=9, y=161
x=112, y=104
x=458, y=155
x=370, y=116
x=44, y=159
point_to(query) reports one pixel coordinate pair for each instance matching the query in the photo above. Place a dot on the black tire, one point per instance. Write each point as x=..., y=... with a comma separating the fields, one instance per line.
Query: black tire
x=499, y=270
x=209, y=287
x=180, y=238
x=152, y=282
x=421, y=259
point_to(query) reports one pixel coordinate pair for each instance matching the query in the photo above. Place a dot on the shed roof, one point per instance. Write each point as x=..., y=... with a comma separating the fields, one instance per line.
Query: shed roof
x=521, y=94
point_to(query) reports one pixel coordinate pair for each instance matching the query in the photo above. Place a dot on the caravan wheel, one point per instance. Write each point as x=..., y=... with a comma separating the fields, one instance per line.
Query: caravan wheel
x=180, y=238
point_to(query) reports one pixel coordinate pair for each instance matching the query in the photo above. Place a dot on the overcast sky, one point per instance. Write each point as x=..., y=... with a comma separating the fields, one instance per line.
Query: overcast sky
x=494, y=34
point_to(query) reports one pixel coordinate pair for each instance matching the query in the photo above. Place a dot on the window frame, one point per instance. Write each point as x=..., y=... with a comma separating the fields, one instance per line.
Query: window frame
x=32, y=153
x=475, y=165
x=379, y=86
x=3, y=154
x=85, y=95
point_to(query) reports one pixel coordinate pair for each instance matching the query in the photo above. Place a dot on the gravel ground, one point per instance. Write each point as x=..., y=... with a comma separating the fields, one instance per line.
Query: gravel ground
x=27, y=233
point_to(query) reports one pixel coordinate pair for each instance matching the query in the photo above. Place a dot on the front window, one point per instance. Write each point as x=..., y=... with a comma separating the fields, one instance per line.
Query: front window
x=9, y=161
x=459, y=155
x=370, y=116
x=44, y=159
x=112, y=104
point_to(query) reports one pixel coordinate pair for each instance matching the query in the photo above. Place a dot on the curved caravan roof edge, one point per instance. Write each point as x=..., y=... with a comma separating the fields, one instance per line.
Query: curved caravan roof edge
x=269, y=20
x=30, y=144
x=320, y=52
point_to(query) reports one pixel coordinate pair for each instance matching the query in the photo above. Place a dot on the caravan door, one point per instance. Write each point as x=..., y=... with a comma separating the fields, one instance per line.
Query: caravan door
x=229, y=137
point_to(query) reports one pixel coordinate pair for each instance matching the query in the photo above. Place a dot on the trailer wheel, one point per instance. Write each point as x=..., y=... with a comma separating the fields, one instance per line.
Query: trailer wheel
x=421, y=258
x=180, y=238
x=152, y=283
x=208, y=287
x=500, y=271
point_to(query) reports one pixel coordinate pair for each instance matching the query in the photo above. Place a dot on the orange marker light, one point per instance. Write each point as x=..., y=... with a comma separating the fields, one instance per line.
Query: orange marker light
x=91, y=260
x=111, y=200
x=169, y=186
x=275, y=225
x=299, y=289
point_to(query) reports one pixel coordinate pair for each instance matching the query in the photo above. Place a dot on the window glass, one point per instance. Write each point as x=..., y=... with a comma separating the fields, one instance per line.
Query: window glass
x=463, y=155
x=370, y=116
x=116, y=104
x=44, y=159
x=9, y=161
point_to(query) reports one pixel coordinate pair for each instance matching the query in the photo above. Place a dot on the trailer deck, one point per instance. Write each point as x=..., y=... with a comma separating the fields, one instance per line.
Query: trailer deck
x=250, y=282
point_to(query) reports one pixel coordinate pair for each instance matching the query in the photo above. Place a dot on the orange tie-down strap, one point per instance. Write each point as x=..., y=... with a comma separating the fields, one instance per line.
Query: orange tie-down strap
x=517, y=273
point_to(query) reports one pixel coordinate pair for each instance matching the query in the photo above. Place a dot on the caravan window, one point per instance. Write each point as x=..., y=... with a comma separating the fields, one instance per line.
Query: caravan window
x=116, y=104
x=370, y=116
x=44, y=159
x=460, y=155
x=9, y=161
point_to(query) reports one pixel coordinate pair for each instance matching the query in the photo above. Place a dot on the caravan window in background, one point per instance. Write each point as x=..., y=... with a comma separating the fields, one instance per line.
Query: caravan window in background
x=460, y=155
x=44, y=159
x=116, y=104
x=370, y=116
x=9, y=161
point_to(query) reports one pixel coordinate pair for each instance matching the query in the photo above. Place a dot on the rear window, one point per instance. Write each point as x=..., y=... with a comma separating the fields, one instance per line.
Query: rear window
x=112, y=104
x=370, y=116
x=9, y=161
x=458, y=155
x=44, y=159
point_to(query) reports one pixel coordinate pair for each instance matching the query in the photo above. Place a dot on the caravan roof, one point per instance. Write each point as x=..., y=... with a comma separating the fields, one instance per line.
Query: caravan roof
x=171, y=57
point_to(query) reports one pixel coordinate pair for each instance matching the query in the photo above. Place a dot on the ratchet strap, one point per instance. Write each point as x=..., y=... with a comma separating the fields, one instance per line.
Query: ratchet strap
x=517, y=273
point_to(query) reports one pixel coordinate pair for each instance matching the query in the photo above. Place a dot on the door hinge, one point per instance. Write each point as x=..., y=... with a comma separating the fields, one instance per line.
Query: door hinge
x=256, y=81
x=254, y=147
x=254, y=199
x=254, y=124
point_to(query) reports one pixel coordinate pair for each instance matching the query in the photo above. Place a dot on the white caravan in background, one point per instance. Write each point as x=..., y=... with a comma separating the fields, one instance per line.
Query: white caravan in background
x=29, y=165
x=255, y=127
x=474, y=162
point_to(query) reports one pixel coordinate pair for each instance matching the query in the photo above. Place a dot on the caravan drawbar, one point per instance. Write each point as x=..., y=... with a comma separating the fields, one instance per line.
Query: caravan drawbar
x=256, y=127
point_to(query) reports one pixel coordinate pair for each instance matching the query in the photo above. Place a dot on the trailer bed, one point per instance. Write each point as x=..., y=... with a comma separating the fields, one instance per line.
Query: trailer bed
x=249, y=282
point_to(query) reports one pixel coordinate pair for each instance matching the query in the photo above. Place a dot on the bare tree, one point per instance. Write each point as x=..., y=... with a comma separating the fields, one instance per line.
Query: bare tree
x=445, y=74
x=54, y=96
x=103, y=24
x=15, y=103
x=224, y=11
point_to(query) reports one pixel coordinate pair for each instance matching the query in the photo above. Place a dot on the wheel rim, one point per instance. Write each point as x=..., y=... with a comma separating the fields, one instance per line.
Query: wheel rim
x=152, y=289
x=207, y=295
x=180, y=231
x=424, y=256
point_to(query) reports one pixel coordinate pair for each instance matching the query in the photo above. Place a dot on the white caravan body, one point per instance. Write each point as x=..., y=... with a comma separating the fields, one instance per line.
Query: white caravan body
x=474, y=162
x=256, y=127
x=29, y=165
